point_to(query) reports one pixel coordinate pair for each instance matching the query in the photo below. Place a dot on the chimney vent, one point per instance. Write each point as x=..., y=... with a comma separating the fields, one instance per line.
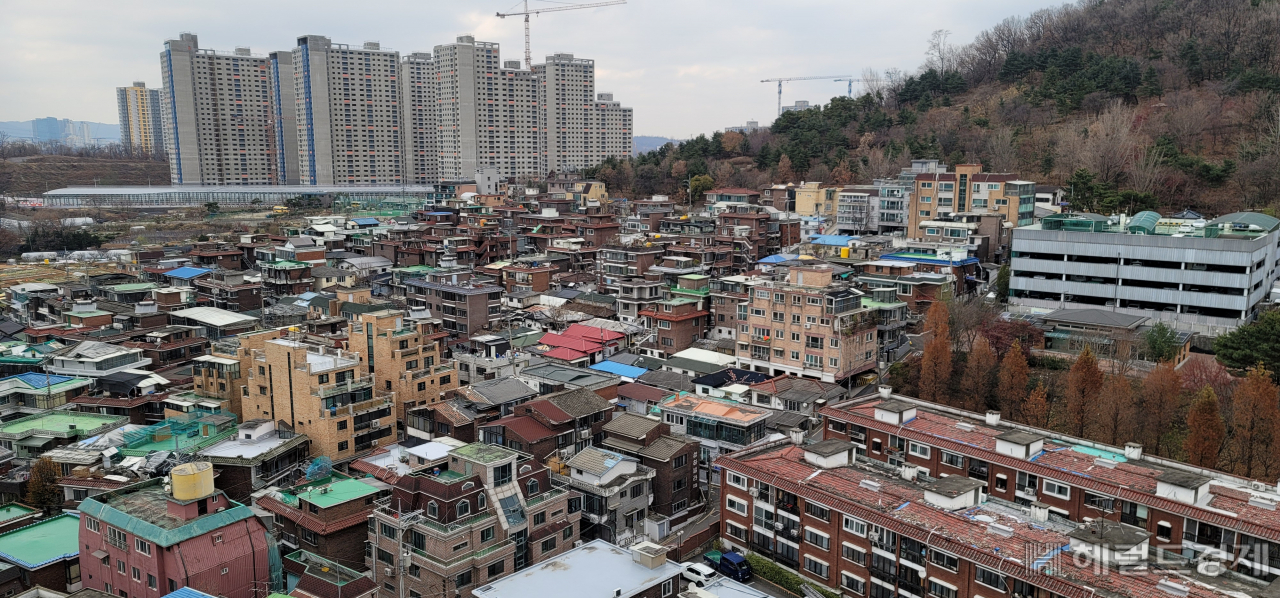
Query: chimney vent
x=1132, y=450
x=993, y=418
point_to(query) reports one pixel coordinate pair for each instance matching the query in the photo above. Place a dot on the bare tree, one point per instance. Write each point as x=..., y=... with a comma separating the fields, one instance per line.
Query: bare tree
x=1112, y=143
x=940, y=55
x=1002, y=151
x=1147, y=172
x=873, y=83
x=1186, y=118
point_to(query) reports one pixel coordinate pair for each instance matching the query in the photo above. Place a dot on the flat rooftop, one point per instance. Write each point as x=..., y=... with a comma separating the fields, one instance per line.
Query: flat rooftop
x=336, y=492
x=723, y=409
x=596, y=568
x=235, y=448
x=39, y=544
x=59, y=422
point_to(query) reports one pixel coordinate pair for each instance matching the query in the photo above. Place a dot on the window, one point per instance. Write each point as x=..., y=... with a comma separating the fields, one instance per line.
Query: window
x=953, y=460
x=990, y=578
x=679, y=505
x=853, y=583
x=680, y=461
x=679, y=485
x=308, y=536
x=568, y=533
x=1059, y=490
x=944, y=560
x=736, y=505
x=92, y=525
x=920, y=450
x=931, y=231
x=816, y=567
x=415, y=570
x=151, y=581
x=737, y=481
x=817, y=511
x=531, y=488
x=540, y=518
x=433, y=510
x=737, y=531
x=675, y=420
x=495, y=569
x=853, y=554
x=941, y=591
x=120, y=566
x=667, y=587
x=502, y=474
x=173, y=585
x=854, y=526
x=549, y=544
x=637, y=490
x=464, y=508
x=117, y=538
x=817, y=538
x=462, y=580
x=137, y=574
x=385, y=557
x=1164, y=530
x=342, y=446
x=663, y=324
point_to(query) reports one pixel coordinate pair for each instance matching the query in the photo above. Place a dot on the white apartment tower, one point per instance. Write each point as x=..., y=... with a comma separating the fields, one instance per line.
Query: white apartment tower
x=348, y=112
x=576, y=123
x=216, y=115
x=421, y=114
x=141, y=129
x=284, y=116
x=467, y=80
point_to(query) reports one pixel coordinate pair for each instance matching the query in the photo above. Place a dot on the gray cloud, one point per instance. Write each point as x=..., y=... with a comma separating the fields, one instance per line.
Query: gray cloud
x=686, y=66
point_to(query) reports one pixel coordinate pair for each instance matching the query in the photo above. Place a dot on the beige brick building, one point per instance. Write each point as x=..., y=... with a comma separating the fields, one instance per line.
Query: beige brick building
x=322, y=392
x=405, y=358
x=967, y=189
x=141, y=129
x=806, y=325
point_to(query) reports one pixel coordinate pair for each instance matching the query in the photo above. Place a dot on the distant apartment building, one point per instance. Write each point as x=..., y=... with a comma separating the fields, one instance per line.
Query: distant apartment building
x=807, y=325
x=350, y=124
x=284, y=116
x=566, y=100
x=141, y=126
x=1206, y=279
x=218, y=125
x=419, y=89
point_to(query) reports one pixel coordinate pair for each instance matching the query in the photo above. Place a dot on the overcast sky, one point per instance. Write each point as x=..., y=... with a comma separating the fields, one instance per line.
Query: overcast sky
x=685, y=66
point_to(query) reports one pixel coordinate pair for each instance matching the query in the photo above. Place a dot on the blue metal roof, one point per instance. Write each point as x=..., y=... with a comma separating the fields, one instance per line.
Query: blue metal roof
x=613, y=367
x=187, y=272
x=920, y=260
x=779, y=257
x=832, y=240
x=186, y=592
x=365, y=221
x=35, y=380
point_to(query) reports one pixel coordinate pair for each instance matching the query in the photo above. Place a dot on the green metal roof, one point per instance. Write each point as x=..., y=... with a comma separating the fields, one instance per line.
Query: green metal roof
x=134, y=286
x=337, y=492
x=14, y=510
x=39, y=544
x=60, y=422
x=1144, y=223
x=103, y=507
x=1249, y=219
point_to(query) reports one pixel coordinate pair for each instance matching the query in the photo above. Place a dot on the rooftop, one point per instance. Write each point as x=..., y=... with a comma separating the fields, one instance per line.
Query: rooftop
x=486, y=454
x=336, y=492
x=60, y=423
x=142, y=509
x=596, y=568
x=41, y=543
x=720, y=409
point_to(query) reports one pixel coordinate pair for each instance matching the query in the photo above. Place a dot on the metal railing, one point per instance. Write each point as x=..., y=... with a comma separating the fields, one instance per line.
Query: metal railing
x=354, y=408
x=328, y=390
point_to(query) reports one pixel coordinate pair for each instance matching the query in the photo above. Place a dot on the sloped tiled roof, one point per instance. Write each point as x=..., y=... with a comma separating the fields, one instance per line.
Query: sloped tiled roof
x=579, y=402
x=631, y=425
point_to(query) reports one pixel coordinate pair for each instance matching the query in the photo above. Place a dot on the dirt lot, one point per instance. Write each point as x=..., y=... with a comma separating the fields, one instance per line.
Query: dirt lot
x=31, y=176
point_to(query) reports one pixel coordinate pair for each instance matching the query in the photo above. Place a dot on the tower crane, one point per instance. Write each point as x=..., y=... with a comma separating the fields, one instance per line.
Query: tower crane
x=832, y=77
x=528, y=56
x=851, y=82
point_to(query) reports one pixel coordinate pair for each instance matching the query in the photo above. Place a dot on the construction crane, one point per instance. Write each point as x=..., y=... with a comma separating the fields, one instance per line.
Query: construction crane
x=528, y=56
x=851, y=82
x=832, y=77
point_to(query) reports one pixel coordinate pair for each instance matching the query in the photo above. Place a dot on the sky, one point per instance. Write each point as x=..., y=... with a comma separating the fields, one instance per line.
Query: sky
x=684, y=66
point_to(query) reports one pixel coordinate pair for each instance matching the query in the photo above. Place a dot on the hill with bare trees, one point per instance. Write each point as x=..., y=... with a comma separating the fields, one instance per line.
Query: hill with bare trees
x=1134, y=103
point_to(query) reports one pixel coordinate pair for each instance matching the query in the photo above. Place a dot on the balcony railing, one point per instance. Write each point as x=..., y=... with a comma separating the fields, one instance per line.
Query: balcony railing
x=328, y=390
x=354, y=408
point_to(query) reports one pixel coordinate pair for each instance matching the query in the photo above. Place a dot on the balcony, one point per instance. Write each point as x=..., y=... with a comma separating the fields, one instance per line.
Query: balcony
x=328, y=390
x=354, y=408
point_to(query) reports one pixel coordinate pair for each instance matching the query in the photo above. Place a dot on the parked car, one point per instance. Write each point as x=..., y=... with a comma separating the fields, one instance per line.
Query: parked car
x=698, y=573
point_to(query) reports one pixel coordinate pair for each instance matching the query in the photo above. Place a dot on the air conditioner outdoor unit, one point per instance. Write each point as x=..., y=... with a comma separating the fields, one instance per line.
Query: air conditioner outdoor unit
x=755, y=492
x=389, y=572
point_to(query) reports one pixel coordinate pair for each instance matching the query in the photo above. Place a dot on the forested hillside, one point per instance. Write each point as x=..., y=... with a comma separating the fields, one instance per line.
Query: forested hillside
x=1134, y=103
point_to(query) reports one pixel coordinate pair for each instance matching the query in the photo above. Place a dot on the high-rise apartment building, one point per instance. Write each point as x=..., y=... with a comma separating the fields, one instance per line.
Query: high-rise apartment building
x=284, y=116
x=421, y=115
x=348, y=113
x=216, y=111
x=141, y=131
x=573, y=119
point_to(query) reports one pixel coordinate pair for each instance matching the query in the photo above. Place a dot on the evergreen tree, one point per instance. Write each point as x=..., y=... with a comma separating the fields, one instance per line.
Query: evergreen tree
x=1151, y=87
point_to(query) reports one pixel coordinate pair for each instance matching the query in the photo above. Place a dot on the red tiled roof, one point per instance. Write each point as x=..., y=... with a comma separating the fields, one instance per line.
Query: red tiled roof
x=570, y=342
x=900, y=507
x=105, y=484
x=550, y=411
x=734, y=191
x=642, y=392
x=1125, y=482
x=528, y=428
x=565, y=354
x=592, y=333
